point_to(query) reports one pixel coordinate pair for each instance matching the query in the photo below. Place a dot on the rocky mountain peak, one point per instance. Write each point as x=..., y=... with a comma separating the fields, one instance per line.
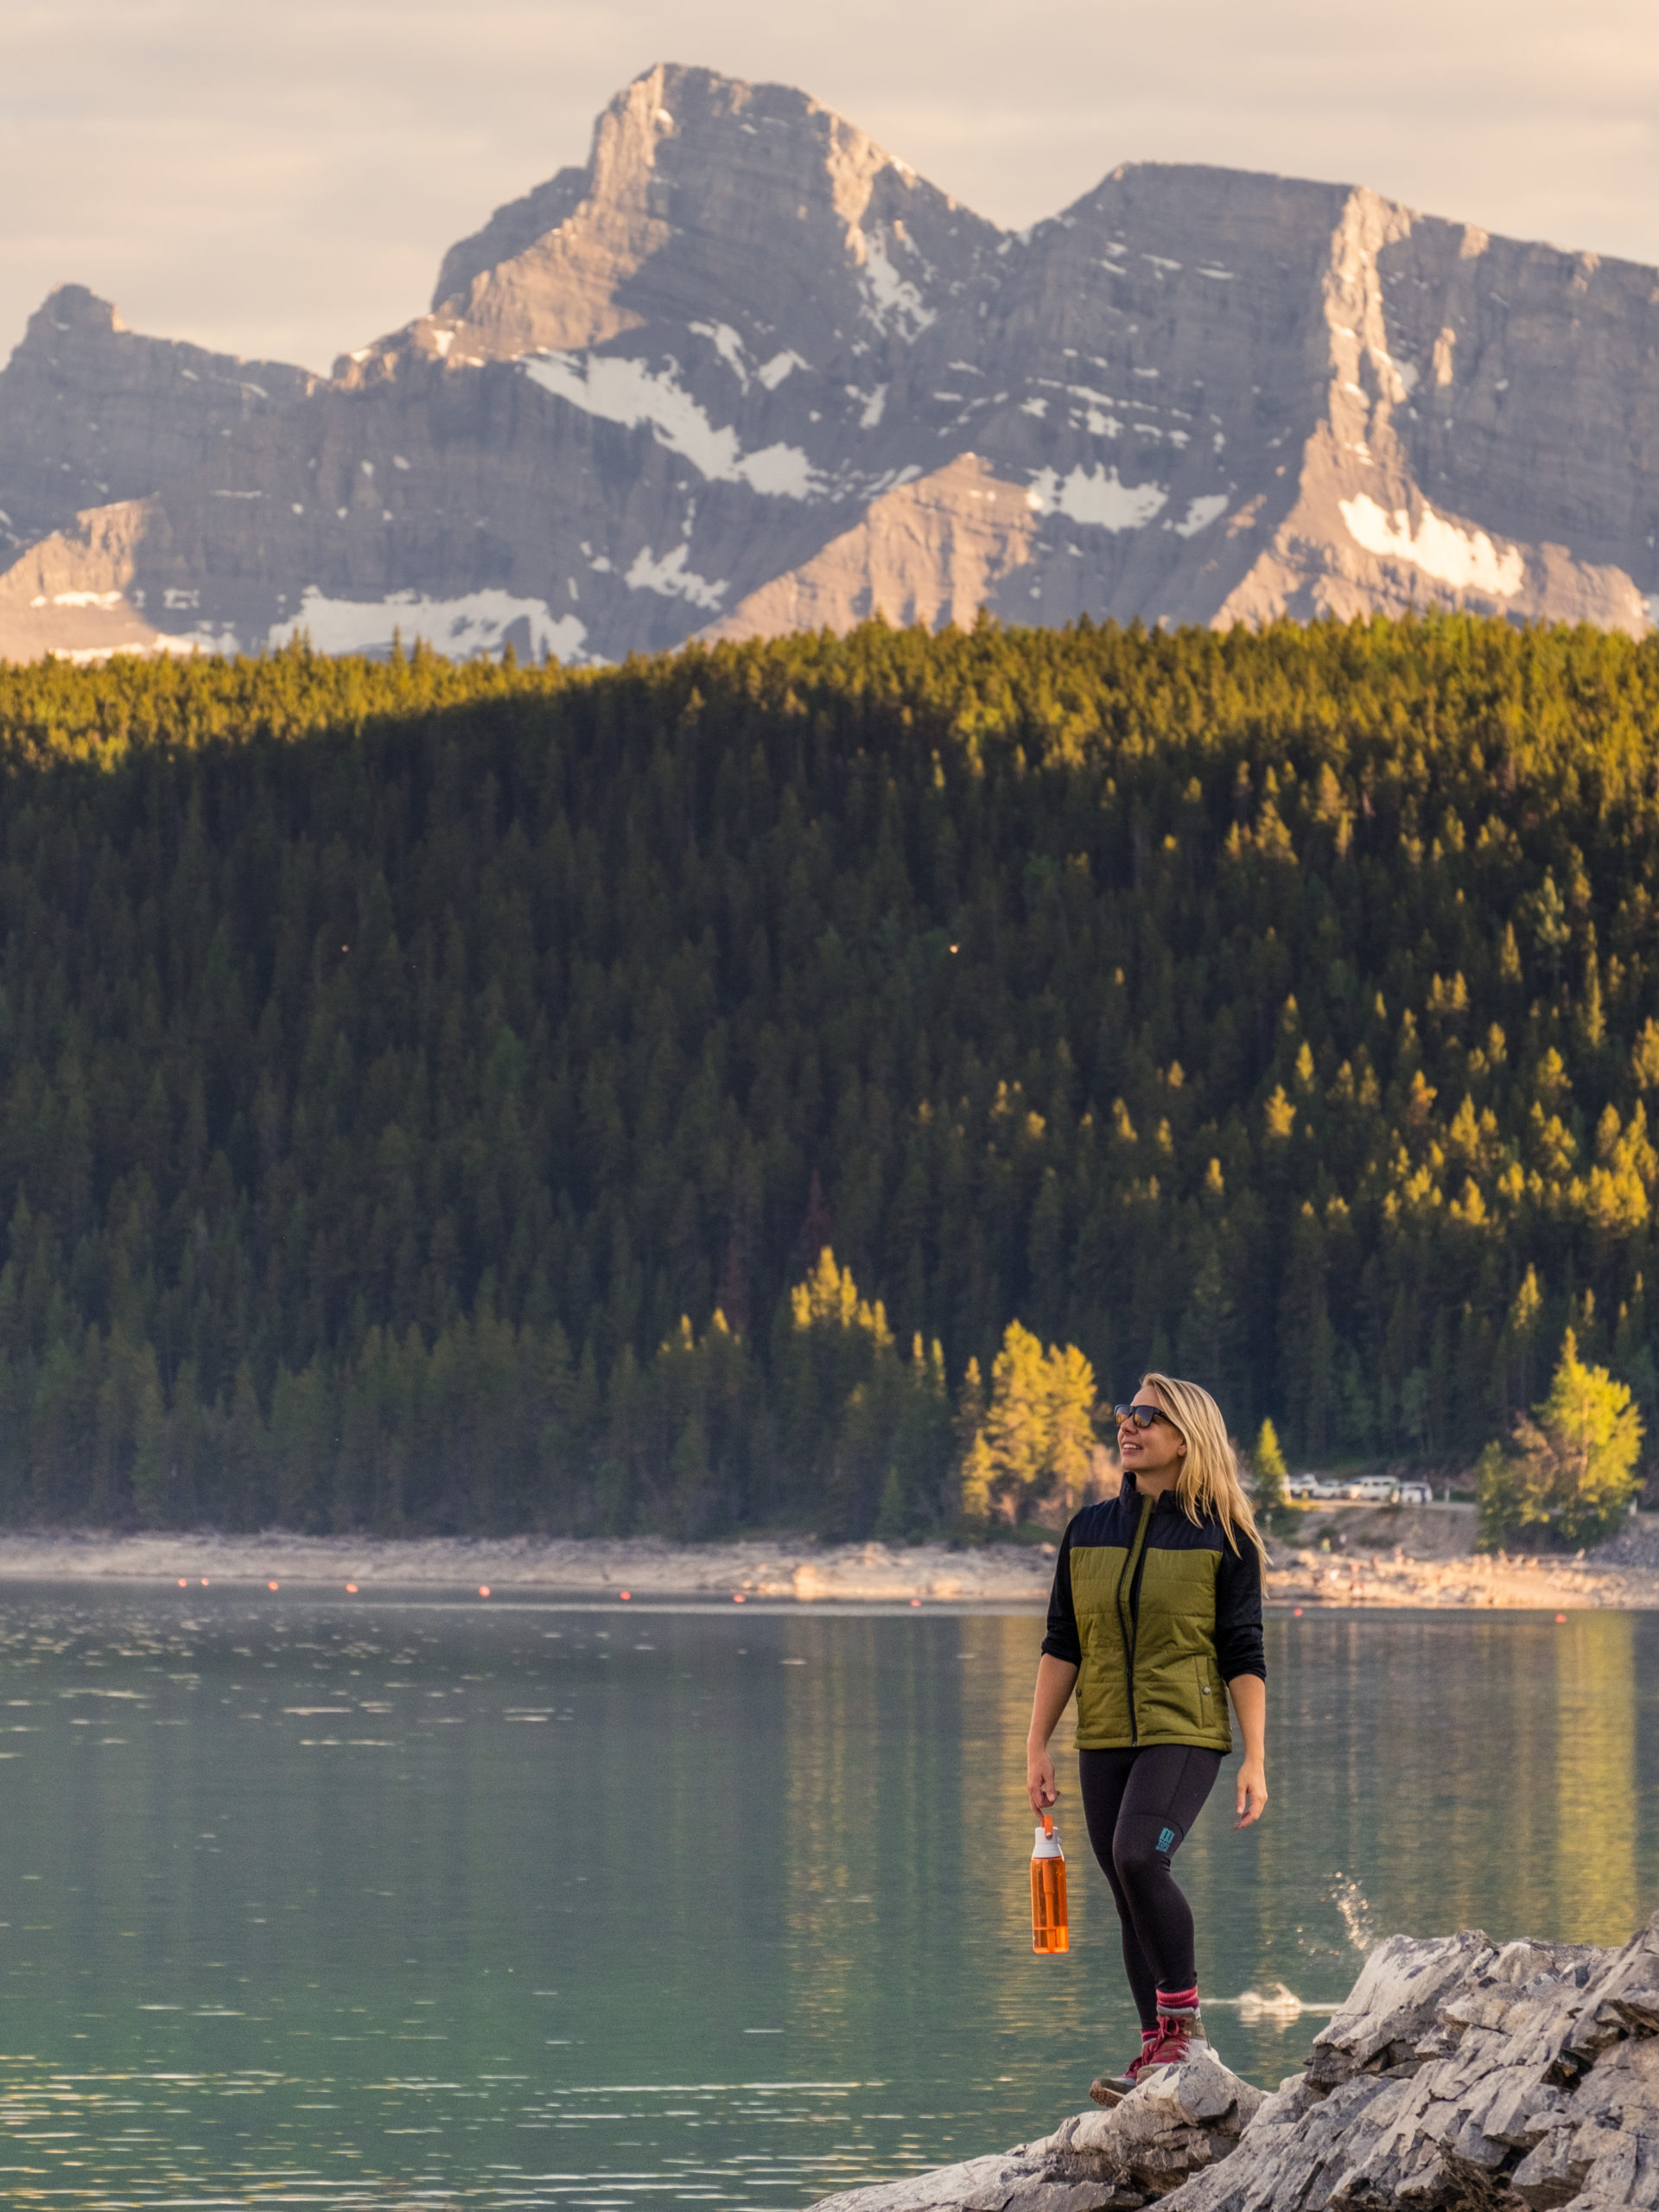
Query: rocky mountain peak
x=698, y=187
x=69, y=312
x=90, y=411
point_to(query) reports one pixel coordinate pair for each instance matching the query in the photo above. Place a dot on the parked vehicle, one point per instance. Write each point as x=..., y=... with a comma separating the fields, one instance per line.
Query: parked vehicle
x=1361, y=1490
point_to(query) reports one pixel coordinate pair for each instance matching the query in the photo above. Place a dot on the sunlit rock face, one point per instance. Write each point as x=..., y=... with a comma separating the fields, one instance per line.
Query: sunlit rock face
x=746, y=370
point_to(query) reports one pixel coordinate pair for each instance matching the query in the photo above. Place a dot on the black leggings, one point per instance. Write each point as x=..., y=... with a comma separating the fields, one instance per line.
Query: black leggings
x=1138, y=1805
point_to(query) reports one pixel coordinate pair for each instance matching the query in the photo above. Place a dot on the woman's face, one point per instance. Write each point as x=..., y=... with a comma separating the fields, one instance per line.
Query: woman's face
x=1157, y=1450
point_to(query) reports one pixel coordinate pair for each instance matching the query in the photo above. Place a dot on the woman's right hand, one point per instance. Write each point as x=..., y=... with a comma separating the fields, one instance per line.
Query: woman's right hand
x=1039, y=1778
x=1056, y=1679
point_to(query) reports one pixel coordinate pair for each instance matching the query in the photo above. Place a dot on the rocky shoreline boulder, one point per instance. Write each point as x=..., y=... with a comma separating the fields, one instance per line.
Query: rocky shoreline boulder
x=1461, y=2076
x=1178, y=2123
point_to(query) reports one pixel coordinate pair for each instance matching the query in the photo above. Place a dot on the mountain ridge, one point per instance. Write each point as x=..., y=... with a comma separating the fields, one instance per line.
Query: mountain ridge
x=676, y=390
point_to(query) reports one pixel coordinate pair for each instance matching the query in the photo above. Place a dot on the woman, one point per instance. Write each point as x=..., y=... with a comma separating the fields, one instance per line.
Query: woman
x=1157, y=1602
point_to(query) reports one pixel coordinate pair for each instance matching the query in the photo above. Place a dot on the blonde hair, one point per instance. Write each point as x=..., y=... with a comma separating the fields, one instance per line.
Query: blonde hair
x=1208, y=1482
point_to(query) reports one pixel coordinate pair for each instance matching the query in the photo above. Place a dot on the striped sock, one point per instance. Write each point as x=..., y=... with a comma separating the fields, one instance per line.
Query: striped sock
x=1179, y=2001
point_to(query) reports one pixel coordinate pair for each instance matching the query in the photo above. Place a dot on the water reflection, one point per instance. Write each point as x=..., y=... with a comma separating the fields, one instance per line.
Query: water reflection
x=58, y=2126
x=1596, y=1781
x=308, y=1904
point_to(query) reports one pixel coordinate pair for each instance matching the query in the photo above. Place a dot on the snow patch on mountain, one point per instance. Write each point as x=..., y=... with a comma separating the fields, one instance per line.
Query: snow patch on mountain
x=672, y=578
x=1466, y=559
x=477, y=622
x=729, y=346
x=1096, y=496
x=783, y=471
x=619, y=390
x=892, y=303
x=773, y=373
x=1200, y=513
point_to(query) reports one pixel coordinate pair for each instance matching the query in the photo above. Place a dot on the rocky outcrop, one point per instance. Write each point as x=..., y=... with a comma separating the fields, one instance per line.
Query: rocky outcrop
x=76, y=594
x=744, y=369
x=1461, y=2076
x=933, y=552
x=1468, y=2073
x=1177, y=2123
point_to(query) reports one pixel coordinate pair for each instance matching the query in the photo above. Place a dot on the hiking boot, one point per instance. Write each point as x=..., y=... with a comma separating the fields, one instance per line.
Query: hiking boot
x=1112, y=2089
x=1181, y=2037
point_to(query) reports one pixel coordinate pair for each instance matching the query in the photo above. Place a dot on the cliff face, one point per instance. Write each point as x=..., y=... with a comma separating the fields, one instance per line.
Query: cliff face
x=746, y=369
x=1461, y=2076
x=91, y=412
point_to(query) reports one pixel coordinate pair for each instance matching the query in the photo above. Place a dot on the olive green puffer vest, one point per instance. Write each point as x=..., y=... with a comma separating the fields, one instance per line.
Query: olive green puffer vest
x=1145, y=1593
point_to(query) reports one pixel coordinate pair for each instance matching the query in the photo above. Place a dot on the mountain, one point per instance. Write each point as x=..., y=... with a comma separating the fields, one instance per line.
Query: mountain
x=747, y=370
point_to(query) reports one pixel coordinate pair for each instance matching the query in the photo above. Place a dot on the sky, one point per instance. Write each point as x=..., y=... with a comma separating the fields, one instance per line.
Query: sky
x=279, y=178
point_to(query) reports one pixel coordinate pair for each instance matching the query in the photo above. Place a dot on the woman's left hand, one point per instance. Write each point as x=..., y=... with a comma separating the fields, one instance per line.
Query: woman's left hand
x=1252, y=1793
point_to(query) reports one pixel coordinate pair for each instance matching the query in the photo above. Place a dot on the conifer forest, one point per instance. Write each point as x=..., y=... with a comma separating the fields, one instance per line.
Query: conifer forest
x=788, y=1085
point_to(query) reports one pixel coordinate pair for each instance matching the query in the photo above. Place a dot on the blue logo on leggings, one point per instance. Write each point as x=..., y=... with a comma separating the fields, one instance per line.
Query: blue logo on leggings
x=1165, y=1839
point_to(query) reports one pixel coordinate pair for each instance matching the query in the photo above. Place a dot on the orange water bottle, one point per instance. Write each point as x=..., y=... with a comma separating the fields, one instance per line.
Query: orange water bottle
x=1048, y=1925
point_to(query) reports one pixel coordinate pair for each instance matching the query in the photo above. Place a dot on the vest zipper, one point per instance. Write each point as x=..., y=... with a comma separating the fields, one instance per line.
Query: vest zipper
x=1130, y=1626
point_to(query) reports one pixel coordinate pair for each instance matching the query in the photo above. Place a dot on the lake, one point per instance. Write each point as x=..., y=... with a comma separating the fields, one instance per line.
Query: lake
x=352, y=1904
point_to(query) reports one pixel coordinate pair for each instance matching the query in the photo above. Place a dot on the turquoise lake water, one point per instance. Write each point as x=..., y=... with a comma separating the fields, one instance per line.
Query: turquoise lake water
x=345, y=1904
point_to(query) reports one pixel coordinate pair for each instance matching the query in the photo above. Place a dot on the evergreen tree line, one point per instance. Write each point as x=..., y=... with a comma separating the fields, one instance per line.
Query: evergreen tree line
x=781, y=1084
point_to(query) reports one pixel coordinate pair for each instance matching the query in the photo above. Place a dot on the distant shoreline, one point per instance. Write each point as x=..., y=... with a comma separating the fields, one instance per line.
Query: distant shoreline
x=1383, y=1560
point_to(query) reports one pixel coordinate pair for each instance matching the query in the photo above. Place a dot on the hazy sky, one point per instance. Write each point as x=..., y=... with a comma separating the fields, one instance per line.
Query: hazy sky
x=281, y=177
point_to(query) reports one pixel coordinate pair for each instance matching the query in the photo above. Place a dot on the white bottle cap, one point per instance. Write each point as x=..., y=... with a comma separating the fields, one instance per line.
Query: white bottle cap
x=1048, y=1843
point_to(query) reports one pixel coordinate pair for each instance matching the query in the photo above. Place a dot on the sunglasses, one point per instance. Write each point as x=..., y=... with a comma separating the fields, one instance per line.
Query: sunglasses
x=1143, y=1416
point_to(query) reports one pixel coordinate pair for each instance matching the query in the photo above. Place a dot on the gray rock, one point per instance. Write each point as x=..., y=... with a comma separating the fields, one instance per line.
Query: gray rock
x=1176, y=2122
x=745, y=370
x=1461, y=2076
x=978, y=2185
x=1622, y=1999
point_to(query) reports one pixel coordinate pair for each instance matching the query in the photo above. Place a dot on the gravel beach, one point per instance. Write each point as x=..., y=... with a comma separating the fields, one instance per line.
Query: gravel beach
x=1380, y=1556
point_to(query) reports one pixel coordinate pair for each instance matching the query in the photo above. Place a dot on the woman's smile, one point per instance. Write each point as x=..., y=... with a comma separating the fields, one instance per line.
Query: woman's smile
x=1155, y=1450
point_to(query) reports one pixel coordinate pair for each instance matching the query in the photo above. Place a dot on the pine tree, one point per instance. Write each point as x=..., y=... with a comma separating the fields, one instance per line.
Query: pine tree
x=152, y=1445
